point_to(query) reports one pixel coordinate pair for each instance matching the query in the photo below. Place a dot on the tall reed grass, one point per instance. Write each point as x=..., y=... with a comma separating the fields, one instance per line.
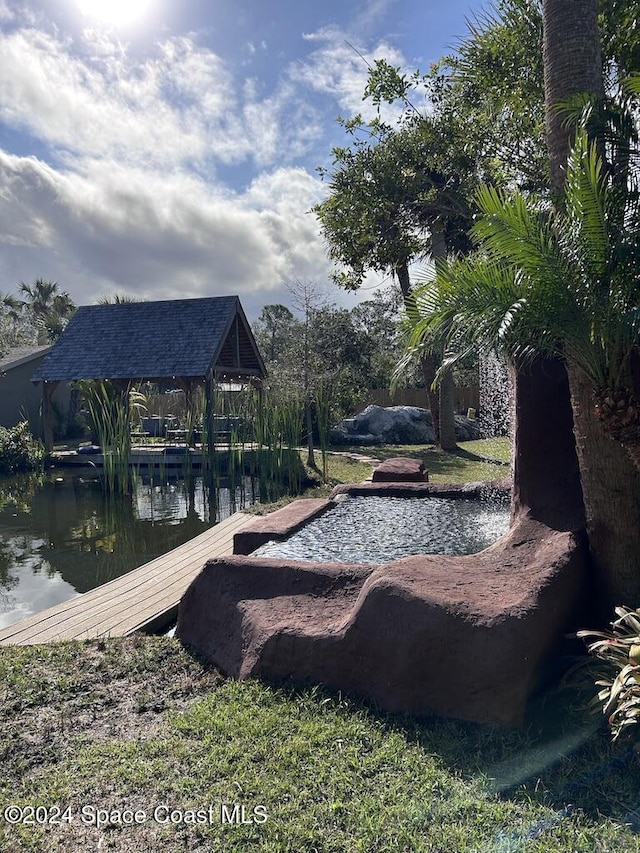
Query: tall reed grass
x=277, y=418
x=110, y=414
x=247, y=432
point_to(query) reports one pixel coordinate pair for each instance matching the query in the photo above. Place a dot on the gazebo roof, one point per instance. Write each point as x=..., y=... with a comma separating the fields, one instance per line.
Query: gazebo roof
x=172, y=339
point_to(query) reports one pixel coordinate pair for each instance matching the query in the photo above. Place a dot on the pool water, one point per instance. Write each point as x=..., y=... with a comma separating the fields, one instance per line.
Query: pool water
x=377, y=529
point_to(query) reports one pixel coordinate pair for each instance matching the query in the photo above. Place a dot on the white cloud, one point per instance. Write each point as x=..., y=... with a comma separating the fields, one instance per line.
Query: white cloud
x=340, y=68
x=6, y=14
x=280, y=127
x=176, y=106
x=129, y=199
x=179, y=106
x=371, y=13
x=157, y=235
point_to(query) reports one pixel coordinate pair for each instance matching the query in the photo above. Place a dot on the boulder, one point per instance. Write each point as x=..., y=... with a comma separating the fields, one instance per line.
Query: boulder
x=465, y=636
x=398, y=425
x=400, y=469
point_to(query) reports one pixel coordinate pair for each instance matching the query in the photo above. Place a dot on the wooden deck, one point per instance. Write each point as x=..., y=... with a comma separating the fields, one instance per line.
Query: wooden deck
x=145, y=599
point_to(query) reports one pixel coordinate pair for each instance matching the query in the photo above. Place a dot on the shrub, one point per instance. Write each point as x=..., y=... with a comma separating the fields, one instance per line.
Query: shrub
x=19, y=450
x=619, y=650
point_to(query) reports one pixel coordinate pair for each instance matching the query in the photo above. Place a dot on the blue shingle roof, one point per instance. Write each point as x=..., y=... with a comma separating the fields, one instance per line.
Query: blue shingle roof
x=149, y=340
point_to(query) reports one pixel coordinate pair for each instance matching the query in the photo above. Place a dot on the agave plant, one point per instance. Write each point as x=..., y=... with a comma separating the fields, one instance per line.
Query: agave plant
x=619, y=650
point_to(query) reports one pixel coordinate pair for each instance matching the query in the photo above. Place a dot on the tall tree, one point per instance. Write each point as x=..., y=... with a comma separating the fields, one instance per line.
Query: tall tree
x=49, y=307
x=560, y=286
x=378, y=319
x=394, y=198
x=307, y=298
x=610, y=484
x=492, y=89
x=273, y=331
x=493, y=86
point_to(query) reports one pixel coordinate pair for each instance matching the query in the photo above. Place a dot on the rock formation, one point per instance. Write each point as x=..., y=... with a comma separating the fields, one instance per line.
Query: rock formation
x=464, y=637
x=398, y=425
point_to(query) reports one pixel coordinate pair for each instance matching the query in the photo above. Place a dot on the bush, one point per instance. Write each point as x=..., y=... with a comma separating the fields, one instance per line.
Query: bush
x=19, y=450
x=619, y=650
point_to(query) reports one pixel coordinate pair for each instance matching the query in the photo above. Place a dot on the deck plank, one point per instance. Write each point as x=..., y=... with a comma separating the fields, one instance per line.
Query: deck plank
x=143, y=598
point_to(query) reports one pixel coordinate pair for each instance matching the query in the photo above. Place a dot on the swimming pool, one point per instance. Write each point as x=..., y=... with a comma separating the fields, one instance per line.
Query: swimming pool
x=378, y=529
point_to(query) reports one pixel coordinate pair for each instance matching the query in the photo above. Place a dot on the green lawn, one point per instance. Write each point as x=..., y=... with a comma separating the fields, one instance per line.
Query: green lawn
x=137, y=724
x=486, y=459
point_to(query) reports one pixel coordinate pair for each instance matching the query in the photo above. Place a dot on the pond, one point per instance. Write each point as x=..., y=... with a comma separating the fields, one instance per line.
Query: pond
x=60, y=535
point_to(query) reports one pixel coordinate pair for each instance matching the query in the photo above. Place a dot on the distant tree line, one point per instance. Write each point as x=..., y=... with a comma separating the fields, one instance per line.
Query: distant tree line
x=315, y=344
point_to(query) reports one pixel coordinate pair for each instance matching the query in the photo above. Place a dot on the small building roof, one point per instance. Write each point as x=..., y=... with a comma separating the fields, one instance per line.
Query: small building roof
x=171, y=339
x=21, y=355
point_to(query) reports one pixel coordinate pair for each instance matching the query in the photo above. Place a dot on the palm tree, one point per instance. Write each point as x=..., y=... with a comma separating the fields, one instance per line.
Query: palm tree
x=50, y=308
x=10, y=306
x=610, y=486
x=557, y=283
x=563, y=284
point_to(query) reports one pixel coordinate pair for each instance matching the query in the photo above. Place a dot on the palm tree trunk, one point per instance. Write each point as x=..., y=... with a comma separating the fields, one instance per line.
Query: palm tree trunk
x=546, y=477
x=428, y=362
x=572, y=66
x=611, y=488
x=447, y=413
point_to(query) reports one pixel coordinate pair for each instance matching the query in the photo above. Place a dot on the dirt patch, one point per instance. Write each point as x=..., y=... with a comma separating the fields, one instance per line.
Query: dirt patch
x=121, y=689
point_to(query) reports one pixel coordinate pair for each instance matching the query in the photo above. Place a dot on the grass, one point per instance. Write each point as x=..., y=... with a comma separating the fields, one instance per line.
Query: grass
x=482, y=460
x=485, y=459
x=138, y=723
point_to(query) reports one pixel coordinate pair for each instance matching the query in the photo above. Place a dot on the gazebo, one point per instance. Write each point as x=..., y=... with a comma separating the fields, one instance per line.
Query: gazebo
x=187, y=341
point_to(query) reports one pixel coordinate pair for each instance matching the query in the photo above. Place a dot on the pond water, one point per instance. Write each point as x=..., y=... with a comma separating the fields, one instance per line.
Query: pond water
x=377, y=529
x=61, y=536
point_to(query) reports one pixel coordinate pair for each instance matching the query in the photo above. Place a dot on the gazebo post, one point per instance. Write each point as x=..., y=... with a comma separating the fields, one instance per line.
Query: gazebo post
x=47, y=411
x=257, y=384
x=208, y=407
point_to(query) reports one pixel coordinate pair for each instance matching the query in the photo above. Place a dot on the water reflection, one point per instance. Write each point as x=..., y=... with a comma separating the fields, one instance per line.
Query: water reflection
x=61, y=535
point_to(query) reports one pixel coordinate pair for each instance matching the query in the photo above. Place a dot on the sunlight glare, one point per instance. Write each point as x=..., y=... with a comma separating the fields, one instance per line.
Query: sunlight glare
x=114, y=13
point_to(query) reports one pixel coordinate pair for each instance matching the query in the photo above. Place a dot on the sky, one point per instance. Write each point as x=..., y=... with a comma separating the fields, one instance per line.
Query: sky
x=168, y=148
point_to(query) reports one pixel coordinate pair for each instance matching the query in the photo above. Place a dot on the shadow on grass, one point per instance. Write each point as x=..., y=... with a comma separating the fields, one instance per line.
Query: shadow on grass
x=456, y=466
x=560, y=758
x=462, y=453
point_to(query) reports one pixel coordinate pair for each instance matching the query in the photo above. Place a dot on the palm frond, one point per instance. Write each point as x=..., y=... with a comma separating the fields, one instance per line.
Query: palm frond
x=586, y=205
x=545, y=280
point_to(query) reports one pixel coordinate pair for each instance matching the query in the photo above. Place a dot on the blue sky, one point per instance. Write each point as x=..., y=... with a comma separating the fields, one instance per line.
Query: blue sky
x=167, y=148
